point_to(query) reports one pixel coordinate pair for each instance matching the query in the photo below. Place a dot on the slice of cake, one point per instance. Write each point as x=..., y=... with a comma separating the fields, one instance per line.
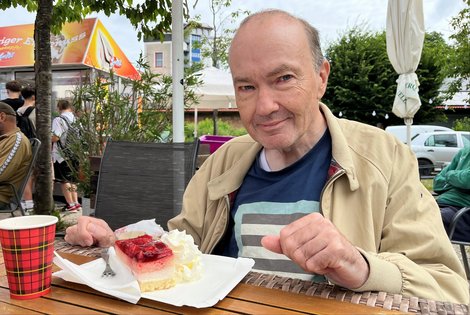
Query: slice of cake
x=151, y=262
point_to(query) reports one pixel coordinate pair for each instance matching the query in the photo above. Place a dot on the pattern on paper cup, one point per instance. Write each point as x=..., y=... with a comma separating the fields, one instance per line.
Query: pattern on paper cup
x=28, y=258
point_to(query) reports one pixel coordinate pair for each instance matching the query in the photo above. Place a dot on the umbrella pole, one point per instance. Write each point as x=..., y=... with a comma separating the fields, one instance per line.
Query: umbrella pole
x=195, y=121
x=408, y=123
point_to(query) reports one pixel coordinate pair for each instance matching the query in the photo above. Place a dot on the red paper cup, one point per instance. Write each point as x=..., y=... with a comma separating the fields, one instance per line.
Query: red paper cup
x=28, y=248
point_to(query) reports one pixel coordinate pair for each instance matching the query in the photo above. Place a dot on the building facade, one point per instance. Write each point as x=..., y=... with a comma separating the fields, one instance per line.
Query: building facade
x=158, y=53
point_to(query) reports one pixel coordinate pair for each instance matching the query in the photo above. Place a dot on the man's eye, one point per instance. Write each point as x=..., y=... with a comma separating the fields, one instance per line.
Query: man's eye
x=286, y=77
x=246, y=87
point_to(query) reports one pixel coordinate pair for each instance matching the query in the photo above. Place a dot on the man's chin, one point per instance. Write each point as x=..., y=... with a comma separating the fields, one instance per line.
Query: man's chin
x=275, y=142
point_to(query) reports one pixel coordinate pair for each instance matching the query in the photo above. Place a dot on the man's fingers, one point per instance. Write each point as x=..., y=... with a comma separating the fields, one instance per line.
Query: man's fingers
x=100, y=233
x=272, y=243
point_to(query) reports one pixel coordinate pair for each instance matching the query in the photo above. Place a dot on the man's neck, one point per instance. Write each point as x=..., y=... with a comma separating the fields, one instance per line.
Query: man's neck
x=28, y=103
x=13, y=95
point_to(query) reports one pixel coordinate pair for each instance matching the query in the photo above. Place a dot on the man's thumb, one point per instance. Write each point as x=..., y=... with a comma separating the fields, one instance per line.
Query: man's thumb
x=272, y=243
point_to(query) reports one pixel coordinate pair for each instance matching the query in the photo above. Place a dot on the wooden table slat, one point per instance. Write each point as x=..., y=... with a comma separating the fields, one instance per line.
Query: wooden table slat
x=45, y=305
x=6, y=308
x=299, y=302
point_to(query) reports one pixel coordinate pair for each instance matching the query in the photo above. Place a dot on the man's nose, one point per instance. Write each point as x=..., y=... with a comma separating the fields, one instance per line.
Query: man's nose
x=266, y=102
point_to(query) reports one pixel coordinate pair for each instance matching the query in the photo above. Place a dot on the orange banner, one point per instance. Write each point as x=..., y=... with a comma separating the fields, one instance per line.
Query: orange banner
x=80, y=43
x=104, y=53
x=68, y=47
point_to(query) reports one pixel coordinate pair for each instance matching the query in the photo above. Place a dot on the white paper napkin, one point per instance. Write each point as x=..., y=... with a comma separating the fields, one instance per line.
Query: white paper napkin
x=123, y=285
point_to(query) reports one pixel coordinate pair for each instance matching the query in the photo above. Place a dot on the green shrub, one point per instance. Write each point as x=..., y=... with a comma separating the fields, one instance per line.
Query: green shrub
x=462, y=124
x=206, y=127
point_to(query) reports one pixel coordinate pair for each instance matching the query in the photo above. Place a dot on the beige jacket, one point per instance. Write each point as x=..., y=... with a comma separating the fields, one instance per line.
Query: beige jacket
x=15, y=157
x=375, y=199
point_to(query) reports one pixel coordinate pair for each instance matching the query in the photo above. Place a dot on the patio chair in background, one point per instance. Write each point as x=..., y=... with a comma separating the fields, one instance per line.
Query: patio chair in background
x=140, y=181
x=458, y=215
x=15, y=202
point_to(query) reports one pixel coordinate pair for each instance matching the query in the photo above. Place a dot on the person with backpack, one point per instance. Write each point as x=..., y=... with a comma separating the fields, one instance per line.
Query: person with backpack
x=26, y=114
x=13, y=92
x=62, y=161
x=26, y=121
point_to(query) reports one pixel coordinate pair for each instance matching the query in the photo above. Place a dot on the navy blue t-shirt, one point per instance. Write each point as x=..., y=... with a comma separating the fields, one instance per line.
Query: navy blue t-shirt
x=267, y=201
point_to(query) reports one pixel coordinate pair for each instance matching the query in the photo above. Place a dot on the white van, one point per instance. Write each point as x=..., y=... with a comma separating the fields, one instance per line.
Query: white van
x=400, y=131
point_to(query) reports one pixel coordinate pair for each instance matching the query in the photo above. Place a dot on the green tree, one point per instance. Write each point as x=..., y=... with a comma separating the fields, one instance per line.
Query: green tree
x=216, y=46
x=363, y=82
x=458, y=65
x=150, y=17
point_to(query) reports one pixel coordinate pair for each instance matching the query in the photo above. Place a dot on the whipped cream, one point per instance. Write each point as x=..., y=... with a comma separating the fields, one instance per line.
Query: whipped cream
x=187, y=255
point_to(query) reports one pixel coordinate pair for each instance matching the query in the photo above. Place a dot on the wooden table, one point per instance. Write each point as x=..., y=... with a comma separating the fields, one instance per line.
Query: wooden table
x=71, y=298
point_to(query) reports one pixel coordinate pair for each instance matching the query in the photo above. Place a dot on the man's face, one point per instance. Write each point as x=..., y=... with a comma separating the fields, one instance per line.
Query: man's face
x=277, y=88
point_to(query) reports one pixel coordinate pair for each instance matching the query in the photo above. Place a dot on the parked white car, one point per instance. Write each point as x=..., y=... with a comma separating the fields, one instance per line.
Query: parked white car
x=436, y=149
x=400, y=131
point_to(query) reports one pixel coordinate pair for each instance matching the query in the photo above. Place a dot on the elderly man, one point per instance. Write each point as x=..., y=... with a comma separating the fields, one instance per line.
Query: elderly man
x=15, y=154
x=308, y=195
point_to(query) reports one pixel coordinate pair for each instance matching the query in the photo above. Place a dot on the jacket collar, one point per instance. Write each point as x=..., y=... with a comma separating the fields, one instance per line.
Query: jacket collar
x=340, y=146
x=231, y=180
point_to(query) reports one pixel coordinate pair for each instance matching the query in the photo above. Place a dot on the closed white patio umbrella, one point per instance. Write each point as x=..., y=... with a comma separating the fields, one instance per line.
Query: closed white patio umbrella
x=405, y=37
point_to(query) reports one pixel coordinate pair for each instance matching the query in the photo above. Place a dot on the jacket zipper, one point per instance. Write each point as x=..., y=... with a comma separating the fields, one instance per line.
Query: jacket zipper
x=227, y=201
x=329, y=182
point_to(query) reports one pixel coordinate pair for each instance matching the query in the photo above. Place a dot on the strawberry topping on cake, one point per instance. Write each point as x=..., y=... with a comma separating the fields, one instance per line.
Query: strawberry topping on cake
x=144, y=248
x=151, y=261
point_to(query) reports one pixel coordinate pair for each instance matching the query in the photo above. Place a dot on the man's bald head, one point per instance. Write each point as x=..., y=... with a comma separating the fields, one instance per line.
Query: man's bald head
x=311, y=33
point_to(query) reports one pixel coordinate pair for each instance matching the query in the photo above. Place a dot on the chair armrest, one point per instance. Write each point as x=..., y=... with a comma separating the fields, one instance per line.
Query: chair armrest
x=455, y=220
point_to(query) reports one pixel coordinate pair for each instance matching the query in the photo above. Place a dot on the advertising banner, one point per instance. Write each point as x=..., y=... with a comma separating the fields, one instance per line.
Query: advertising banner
x=79, y=43
x=103, y=53
x=68, y=47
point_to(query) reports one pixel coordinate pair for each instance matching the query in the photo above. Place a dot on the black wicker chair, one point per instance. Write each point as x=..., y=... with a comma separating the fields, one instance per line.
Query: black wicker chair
x=143, y=180
x=458, y=215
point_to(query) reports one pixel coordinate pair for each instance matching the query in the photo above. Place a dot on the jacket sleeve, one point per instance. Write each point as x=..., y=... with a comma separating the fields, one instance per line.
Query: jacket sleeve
x=440, y=183
x=459, y=178
x=10, y=160
x=414, y=244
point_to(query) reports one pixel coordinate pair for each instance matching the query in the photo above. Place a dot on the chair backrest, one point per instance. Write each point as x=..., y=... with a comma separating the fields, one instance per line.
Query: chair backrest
x=143, y=180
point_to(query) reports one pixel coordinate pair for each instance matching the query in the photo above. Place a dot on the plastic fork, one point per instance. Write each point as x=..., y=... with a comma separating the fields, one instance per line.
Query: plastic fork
x=108, y=271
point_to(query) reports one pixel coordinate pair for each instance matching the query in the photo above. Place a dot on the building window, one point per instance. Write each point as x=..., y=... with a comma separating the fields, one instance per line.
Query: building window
x=158, y=60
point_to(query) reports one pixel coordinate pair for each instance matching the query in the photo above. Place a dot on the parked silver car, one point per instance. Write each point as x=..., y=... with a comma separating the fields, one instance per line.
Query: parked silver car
x=436, y=149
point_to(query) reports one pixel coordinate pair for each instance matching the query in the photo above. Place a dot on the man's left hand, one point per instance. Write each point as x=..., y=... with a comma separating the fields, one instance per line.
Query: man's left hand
x=317, y=246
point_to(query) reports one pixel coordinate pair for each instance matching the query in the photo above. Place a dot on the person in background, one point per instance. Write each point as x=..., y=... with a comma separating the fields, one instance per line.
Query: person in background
x=15, y=154
x=13, y=92
x=62, y=171
x=452, y=184
x=305, y=194
x=28, y=94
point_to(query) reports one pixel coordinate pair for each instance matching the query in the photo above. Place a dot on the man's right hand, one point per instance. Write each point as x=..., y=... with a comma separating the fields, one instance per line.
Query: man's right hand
x=90, y=231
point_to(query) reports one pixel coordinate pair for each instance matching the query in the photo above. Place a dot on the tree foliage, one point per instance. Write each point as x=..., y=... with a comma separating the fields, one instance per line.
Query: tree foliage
x=458, y=65
x=139, y=110
x=216, y=46
x=363, y=82
x=151, y=17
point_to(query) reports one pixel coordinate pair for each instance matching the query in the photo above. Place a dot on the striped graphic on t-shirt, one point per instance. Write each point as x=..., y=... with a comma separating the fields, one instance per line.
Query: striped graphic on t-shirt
x=255, y=220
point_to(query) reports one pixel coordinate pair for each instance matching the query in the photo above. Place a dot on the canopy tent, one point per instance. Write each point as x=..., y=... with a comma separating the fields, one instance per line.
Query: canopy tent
x=215, y=92
x=405, y=37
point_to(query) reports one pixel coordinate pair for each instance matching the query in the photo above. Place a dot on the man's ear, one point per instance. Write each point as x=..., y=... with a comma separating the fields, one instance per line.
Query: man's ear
x=323, y=75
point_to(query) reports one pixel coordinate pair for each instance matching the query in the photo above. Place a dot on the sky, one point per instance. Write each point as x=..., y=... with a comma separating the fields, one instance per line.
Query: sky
x=331, y=18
